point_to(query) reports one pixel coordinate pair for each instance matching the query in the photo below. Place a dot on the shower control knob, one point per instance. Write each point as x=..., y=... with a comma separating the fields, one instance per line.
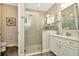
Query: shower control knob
x=22, y=17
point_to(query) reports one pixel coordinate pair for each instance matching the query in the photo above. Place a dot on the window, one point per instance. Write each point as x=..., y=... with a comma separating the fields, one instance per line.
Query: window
x=50, y=20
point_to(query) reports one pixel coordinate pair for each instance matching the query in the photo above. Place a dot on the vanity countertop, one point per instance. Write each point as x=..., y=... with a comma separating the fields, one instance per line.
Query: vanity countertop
x=66, y=37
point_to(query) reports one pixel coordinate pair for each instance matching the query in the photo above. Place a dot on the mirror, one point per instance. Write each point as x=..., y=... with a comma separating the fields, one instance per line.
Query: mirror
x=68, y=18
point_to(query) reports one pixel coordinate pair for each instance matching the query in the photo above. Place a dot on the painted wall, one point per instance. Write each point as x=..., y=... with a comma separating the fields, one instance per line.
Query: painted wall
x=0, y=23
x=0, y=28
x=9, y=33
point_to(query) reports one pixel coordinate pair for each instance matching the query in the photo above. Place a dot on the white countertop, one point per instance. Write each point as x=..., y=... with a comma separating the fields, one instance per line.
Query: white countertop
x=66, y=37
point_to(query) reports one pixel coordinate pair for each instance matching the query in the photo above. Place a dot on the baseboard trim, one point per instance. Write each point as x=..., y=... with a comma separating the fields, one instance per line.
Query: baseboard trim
x=10, y=45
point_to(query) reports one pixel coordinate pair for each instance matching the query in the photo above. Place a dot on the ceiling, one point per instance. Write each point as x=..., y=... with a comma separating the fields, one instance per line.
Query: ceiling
x=12, y=4
x=39, y=6
x=35, y=6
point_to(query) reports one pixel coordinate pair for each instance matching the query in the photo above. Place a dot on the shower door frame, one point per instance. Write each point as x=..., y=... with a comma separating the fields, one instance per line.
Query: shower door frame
x=40, y=45
x=21, y=10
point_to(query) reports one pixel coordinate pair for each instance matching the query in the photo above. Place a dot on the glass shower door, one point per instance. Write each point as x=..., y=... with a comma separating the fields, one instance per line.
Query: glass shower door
x=33, y=34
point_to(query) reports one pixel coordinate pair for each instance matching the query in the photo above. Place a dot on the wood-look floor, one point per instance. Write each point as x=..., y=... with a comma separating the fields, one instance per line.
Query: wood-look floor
x=13, y=51
x=10, y=51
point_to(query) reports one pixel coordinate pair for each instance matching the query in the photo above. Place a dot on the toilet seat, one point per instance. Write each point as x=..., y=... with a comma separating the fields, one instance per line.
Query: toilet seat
x=3, y=46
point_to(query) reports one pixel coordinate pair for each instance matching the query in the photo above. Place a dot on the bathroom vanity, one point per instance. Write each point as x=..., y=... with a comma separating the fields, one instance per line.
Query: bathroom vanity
x=67, y=43
x=60, y=45
x=63, y=45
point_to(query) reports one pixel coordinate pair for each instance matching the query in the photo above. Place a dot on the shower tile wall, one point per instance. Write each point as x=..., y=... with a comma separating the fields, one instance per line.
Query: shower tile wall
x=33, y=33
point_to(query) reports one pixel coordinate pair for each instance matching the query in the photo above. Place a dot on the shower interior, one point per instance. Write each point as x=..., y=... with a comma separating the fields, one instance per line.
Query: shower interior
x=33, y=33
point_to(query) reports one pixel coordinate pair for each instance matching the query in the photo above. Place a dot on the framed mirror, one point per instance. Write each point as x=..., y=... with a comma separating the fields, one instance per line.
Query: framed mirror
x=68, y=18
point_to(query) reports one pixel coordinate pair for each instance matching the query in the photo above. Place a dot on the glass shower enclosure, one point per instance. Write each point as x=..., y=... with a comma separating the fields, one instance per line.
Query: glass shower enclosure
x=33, y=33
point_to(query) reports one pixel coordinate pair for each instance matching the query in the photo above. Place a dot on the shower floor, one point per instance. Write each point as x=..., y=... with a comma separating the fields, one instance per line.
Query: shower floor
x=36, y=50
x=33, y=49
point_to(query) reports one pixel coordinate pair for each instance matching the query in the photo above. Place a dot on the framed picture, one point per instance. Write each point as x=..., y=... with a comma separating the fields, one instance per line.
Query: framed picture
x=10, y=21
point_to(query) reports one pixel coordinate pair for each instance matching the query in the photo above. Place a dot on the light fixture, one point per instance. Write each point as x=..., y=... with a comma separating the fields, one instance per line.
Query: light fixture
x=38, y=5
x=47, y=15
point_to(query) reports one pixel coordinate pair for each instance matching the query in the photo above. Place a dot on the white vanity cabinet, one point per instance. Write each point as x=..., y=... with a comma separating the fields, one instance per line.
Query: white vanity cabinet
x=68, y=51
x=45, y=41
x=64, y=46
x=55, y=46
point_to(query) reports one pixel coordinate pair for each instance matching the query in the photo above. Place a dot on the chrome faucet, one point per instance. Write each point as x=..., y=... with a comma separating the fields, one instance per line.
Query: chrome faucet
x=68, y=34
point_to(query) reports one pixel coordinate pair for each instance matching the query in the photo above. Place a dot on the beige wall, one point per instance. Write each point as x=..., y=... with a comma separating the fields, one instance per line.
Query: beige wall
x=9, y=33
x=0, y=22
x=0, y=27
x=52, y=10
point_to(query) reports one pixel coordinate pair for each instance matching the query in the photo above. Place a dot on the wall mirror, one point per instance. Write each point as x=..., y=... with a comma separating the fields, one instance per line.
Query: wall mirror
x=69, y=17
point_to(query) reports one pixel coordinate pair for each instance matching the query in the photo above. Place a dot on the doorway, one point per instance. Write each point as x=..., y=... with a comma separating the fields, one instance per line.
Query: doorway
x=9, y=29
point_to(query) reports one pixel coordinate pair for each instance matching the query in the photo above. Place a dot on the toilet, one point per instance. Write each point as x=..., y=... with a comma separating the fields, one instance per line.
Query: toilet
x=3, y=46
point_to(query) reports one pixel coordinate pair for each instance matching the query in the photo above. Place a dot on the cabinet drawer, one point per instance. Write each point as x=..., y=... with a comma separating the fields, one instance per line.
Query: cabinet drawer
x=66, y=41
x=72, y=43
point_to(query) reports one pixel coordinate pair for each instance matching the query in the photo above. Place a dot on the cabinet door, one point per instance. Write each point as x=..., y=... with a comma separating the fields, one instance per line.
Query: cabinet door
x=69, y=51
x=58, y=47
x=53, y=44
